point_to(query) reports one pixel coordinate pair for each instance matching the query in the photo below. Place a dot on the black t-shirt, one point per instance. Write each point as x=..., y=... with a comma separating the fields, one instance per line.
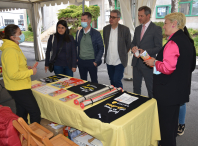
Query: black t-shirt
x=86, y=88
x=111, y=109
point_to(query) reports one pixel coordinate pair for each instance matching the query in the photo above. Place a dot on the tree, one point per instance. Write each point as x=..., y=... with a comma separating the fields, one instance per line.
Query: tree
x=72, y=14
x=174, y=6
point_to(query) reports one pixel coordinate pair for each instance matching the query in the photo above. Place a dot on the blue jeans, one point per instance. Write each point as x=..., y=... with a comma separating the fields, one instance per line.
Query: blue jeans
x=116, y=74
x=65, y=70
x=182, y=114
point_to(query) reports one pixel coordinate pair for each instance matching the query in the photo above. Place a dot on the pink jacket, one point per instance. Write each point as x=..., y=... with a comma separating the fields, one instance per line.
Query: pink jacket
x=9, y=136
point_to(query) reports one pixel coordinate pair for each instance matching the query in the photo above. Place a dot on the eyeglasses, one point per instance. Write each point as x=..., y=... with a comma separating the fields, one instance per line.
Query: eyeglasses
x=112, y=17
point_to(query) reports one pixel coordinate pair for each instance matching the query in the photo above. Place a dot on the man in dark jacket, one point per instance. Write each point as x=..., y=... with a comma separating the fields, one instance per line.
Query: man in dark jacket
x=117, y=39
x=90, y=49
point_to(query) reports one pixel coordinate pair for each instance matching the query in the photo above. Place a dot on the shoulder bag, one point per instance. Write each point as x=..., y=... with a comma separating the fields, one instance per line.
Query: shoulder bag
x=51, y=64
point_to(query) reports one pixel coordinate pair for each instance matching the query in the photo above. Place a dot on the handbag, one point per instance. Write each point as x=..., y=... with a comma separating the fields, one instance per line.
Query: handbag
x=51, y=64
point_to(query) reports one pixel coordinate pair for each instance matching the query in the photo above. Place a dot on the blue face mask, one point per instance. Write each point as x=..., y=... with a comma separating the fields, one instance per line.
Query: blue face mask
x=22, y=38
x=84, y=24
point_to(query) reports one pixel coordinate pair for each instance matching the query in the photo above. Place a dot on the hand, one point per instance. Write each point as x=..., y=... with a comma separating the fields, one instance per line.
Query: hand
x=34, y=70
x=141, y=51
x=135, y=49
x=150, y=62
x=95, y=64
x=74, y=69
x=46, y=68
x=29, y=67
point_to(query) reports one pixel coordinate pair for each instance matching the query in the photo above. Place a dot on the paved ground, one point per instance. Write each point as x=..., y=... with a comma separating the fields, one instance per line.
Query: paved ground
x=191, y=133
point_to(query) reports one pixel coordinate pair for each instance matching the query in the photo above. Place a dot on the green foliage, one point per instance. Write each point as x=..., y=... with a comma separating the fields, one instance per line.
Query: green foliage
x=30, y=28
x=29, y=36
x=192, y=32
x=74, y=11
x=161, y=24
x=196, y=44
x=101, y=32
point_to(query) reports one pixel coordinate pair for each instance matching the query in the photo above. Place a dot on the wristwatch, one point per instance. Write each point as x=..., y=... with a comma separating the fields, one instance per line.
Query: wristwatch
x=154, y=62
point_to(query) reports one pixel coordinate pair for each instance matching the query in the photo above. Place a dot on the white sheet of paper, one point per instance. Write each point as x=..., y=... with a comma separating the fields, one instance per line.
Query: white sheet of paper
x=63, y=79
x=137, y=53
x=126, y=98
x=45, y=89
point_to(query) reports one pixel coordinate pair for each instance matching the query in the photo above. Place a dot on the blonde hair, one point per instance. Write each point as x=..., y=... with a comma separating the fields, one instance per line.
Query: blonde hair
x=179, y=17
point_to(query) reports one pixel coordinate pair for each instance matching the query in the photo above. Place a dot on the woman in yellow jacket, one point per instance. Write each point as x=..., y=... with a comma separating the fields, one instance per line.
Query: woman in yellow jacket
x=16, y=74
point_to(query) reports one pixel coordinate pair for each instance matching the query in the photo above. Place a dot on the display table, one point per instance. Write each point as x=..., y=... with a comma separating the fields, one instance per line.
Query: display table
x=139, y=127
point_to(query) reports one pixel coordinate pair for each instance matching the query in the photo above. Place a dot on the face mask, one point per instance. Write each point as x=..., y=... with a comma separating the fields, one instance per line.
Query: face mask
x=22, y=38
x=84, y=24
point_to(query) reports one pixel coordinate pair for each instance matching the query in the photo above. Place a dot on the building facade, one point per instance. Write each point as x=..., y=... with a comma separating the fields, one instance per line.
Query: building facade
x=17, y=17
x=188, y=7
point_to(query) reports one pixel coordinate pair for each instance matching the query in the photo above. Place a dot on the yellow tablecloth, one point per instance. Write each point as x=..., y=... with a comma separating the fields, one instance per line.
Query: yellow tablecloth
x=139, y=127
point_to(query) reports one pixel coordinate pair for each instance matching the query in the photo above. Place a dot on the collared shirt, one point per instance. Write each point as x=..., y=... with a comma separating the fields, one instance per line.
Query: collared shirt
x=87, y=30
x=170, y=57
x=146, y=26
x=112, y=57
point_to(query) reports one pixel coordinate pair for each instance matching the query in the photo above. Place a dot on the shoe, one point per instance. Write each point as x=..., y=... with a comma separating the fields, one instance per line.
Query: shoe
x=181, y=129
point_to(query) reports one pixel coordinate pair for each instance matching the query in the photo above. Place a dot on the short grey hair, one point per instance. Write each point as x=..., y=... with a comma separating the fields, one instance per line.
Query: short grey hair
x=117, y=12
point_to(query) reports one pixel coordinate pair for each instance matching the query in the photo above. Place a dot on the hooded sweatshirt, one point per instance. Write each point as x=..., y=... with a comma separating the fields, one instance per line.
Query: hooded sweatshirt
x=16, y=74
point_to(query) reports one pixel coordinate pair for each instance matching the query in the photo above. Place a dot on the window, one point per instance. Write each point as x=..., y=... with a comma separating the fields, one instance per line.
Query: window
x=20, y=22
x=195, y=8
x=162, y=11
x=21, y=17
x=8, y=21
x=189, y=7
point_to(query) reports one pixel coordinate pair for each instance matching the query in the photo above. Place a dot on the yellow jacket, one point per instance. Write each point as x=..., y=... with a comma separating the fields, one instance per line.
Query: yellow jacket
x=16, y=75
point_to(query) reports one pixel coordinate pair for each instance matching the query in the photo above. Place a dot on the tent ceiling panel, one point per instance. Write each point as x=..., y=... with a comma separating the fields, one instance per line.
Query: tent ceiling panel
x=14, y=5
x=26, y=4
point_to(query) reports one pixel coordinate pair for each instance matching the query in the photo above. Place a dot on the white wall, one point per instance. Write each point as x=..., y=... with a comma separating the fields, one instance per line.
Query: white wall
x=50, y=16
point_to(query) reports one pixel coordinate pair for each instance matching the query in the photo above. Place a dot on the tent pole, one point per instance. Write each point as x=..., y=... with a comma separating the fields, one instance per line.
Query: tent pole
x=83, y=5
x=34, y=32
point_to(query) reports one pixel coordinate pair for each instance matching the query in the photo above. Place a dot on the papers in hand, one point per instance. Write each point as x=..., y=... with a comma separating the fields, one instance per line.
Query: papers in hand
x=126, y=98
x=137, y=53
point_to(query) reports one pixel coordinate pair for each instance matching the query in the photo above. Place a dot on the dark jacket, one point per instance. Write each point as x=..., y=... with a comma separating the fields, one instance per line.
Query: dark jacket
x=174, y=89
x=97, y=43
x=71, y=55
x=151, y=42
x=124, y=42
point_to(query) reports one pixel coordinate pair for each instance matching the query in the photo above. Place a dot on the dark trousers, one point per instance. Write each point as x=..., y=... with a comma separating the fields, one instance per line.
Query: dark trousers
x=86, y=66
x=26, y=103
x=65, y=70
x=168, y=120
x=116, y=74
x=146, y=73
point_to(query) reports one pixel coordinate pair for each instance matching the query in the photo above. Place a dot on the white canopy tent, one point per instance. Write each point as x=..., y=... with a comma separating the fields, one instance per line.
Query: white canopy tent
x=34, y=12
